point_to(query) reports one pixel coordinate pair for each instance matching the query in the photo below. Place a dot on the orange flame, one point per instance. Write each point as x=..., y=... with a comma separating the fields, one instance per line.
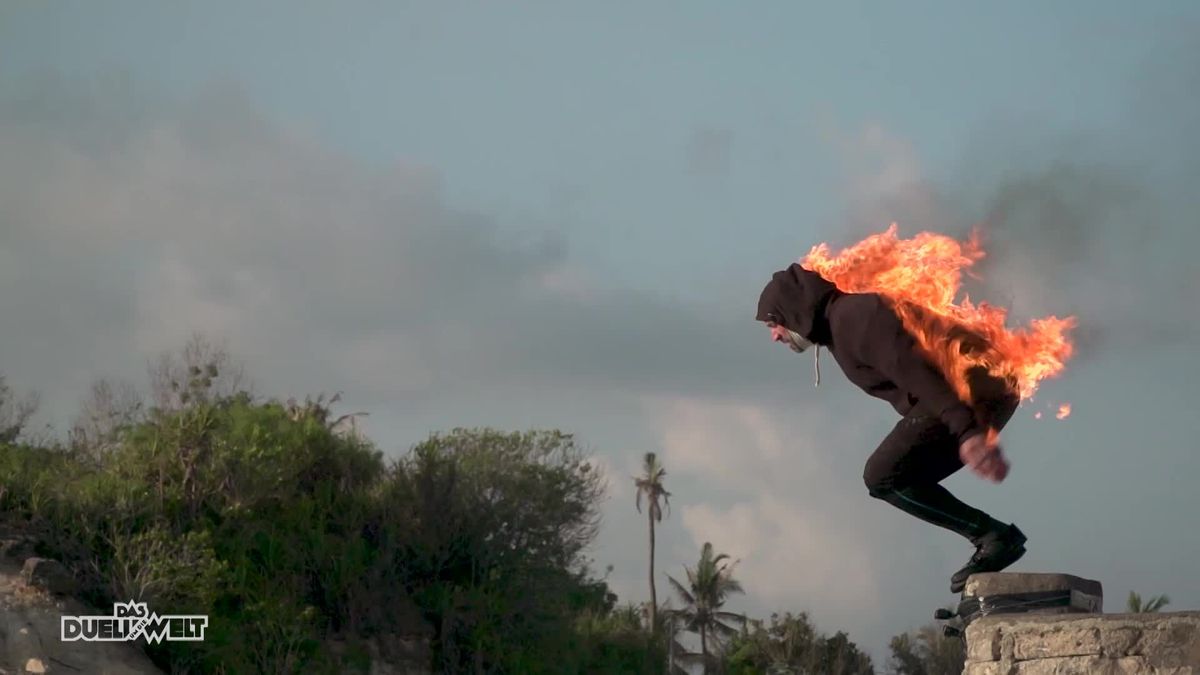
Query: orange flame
x=1063, y=411
x=921, y=277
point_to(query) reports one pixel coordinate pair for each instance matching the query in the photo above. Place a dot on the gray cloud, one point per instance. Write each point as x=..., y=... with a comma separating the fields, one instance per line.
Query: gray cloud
x=323, y=274
x=1099, y=224
x=1097, y=240
x=318, y=271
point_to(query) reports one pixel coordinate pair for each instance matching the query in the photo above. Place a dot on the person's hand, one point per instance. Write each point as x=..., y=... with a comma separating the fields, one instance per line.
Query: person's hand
x=983, y=455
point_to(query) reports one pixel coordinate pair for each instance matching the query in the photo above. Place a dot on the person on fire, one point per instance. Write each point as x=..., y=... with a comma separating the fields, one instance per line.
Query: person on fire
x=937, y=435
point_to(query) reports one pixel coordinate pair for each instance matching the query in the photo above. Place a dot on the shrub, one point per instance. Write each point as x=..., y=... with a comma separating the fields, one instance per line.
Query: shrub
x=288, y=534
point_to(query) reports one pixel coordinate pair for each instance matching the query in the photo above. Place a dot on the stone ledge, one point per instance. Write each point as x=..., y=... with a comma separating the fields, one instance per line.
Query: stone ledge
x=1086, y=665
x=1001, y=583
x=1066, y=644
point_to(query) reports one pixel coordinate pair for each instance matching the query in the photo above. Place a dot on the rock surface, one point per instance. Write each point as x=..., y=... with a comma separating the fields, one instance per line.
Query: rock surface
x=48, y=575
x=30, y=634
x=1005, y=583
x=1093, y=644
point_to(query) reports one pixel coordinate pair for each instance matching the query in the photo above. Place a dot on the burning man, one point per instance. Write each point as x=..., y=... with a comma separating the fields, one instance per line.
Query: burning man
x=938, y=434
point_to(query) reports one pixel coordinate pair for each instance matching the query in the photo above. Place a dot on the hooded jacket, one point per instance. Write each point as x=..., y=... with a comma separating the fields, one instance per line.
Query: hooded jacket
x=869, y=342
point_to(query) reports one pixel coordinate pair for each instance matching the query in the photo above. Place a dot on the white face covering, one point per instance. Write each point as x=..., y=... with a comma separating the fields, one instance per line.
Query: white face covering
x=797, y=342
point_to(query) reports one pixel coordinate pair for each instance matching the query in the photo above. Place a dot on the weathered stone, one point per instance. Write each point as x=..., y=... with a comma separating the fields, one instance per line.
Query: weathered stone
x=30, y=629
x=1067, y=665
x=16, y=548
x=992, y=668
x=1096, y=644
x=1055, y=643
x=1007, y=583
x=1128, y=665
x=48, y=575
x=1116, y=642
x=983, y=643
x=1082, y=595
x=1173, y=645
x=1085, y=665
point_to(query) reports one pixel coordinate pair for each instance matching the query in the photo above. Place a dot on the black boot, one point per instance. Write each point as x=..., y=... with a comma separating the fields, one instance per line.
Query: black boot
x=994, y=551
x=935, y=505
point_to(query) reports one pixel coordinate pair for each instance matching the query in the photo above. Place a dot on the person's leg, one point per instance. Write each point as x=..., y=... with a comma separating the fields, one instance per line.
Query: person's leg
x=906, y=469
x=919, y=453
x=995, y=404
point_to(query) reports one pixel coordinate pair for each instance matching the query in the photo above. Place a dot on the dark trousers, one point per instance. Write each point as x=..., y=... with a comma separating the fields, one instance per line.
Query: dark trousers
x=907, y=467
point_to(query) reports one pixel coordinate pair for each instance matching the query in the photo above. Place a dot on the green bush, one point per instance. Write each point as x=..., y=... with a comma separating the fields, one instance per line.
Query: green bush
x=290, y=536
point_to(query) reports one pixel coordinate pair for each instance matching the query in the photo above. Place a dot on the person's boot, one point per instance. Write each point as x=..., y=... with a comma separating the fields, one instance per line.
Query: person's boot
x=994, y=551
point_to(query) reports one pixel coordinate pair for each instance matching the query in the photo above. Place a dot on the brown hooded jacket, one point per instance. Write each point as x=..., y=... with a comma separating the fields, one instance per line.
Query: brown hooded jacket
x=869, y=342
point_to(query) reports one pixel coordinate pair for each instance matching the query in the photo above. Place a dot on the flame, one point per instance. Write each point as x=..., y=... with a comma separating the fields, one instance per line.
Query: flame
x=1063, y=411
x=921, y=277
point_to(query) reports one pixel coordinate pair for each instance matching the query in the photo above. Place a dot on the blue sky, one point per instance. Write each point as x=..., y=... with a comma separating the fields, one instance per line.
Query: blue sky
x=557, y=214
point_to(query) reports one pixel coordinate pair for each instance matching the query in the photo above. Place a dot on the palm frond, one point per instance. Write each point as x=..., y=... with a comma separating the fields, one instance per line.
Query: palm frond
x=723, y=630
x=689, y=658
x=1134, y=603
x=686, y=596
x=730, y=586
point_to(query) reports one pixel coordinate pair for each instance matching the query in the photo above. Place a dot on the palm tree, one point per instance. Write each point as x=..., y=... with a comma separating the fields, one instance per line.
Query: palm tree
x=650, y=485
x=1136, y=606
x=709, y=584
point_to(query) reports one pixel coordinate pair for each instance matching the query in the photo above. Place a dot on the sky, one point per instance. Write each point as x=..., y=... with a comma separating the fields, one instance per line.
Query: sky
x=560, y=215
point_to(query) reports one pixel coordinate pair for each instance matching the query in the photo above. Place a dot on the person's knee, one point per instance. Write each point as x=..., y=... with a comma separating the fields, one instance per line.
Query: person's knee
x=877, y=478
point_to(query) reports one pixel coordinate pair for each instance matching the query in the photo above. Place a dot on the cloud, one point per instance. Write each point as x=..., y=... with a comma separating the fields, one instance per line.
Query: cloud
x=736, y=440
x=883, y=181
x=1096, y=224
x=779, y=488
x=1091, y=228
x=788, y=551
x=618, y=483
x=133, y=221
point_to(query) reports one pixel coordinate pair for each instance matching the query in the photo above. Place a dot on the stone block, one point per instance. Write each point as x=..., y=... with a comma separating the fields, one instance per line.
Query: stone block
x=991, y=668
x=1004, y=583
x=1098, y=644
x=1003, y=591
x=48, y=575
x=1058, y=642
x=1117, y=641
x=983, y=642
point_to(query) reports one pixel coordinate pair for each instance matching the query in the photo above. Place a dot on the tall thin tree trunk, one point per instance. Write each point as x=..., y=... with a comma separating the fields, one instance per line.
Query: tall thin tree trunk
x=704, y=647
x=671, y=645
x=653, y=594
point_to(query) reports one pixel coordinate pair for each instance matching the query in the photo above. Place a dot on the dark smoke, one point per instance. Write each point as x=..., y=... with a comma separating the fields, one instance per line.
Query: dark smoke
x=1099, y=224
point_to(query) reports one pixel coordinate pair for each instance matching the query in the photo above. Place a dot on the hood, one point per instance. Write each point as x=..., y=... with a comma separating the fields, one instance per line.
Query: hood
x=796, y=298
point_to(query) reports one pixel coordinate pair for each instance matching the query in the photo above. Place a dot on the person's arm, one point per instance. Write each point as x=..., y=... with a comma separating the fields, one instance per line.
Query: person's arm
x=893, y=351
